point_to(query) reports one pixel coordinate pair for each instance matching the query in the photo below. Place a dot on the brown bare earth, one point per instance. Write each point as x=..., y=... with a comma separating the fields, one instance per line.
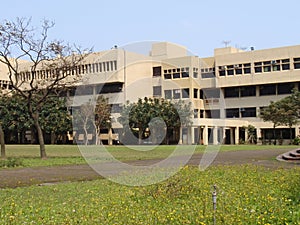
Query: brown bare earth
x=11, y=178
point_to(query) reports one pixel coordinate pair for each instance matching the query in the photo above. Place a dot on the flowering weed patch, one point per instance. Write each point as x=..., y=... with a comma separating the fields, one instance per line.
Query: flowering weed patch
x=246, y=195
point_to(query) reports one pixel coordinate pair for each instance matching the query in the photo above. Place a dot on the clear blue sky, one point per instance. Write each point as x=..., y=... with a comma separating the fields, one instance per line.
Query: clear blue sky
x=199, y=25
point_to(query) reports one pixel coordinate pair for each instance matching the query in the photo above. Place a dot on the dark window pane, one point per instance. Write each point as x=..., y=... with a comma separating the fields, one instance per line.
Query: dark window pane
x=168, y=94
x=157, y=91
x=186, y=93
x=248, y=91
x=285, y=88
x=248, y=112
x=167, y=76
x=157, y=71
x=231, y=92
x=232, y=113
x=268, y=89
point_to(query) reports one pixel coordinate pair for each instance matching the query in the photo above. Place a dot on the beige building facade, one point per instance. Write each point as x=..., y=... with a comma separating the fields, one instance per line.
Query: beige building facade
x=227, y=90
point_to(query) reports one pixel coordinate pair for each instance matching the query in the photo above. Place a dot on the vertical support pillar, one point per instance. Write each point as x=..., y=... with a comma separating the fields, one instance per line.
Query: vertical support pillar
x=200, y=136
x=259, y=137
x=236, y=135
x=246, y=135
x=231, y=136
x=205, y=135
x=215, y=135
x=191, y=136
x=110, y=139
x=180, y=136
x=222, y=135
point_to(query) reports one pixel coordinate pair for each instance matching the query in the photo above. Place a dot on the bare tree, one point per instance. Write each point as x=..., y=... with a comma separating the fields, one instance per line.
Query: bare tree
x=37, y=68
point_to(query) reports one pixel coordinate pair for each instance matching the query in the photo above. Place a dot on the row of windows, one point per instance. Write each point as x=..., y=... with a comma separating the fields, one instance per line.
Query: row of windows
x=76, y=70
x=232, y=92
x=266, y=89
x=229, y=113
x=259, y=67
x=174, y=73
x=177, y=93
x=93, y=89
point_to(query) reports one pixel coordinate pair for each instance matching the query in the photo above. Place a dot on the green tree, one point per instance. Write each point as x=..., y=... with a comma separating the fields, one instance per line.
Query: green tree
x=14, y=117
x=102, y=118
x=156, y=114
x=272, y=113
x=82, y=119
x=48, y=67
x=55, y=118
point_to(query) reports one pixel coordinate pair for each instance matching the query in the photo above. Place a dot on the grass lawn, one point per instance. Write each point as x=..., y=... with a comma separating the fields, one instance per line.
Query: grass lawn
x=246, y=195
x=70, y=154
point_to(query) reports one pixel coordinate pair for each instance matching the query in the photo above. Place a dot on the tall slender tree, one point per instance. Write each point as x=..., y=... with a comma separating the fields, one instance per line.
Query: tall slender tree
x=36, y=66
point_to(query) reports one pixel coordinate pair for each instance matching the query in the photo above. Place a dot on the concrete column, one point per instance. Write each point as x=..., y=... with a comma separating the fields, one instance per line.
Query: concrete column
x=191, y=136
x=236, y=136
x=297, y=131
x=258, y=135
x=180, y=136
x=110, y=139
x=215, y=135
x=231, y=136
x=246, y=135
x=222, y=135
x=205, y=135
x=200, y=136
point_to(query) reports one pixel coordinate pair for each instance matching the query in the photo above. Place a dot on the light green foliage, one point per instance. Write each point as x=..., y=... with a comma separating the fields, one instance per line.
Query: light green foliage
x=140, y=115
x=246, y=195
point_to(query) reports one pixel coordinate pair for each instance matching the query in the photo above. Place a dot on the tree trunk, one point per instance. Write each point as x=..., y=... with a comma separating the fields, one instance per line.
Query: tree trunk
x=274, y=134
x=140, y=135
x=53, y=138
x=85, y=135
x=2, y=141
x=291, y=136
x=40, y=137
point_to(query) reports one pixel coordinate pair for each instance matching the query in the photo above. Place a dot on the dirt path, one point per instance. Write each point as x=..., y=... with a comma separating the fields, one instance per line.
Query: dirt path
x=49, y=175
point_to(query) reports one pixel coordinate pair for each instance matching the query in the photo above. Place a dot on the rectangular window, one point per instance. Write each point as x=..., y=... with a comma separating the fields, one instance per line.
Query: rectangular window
x=176, y=75
x=268, y=89
x=185, y=74
x=258, y=67
x=247, y=68
x=267, y=69
x=195, y=93
x=231, y=92
x=296, y=63
x=157, y=91
x=232, y=113
x=168, y=94
x=201, y=113
x=285, y=66
x=211, y=93
x=285, y=88
x=230, y=72
x=247, y=91
x=115, y=64
x=248, y=112
x=185, y=93
x=167, y=76
x=156, y=71
x=176, y=93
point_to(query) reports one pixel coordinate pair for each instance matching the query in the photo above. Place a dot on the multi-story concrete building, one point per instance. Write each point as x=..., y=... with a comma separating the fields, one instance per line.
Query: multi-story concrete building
x=227, y=90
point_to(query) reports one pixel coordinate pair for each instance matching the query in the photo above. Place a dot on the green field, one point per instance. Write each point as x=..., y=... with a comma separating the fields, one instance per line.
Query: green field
x=246, y=195
x=70, y=154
